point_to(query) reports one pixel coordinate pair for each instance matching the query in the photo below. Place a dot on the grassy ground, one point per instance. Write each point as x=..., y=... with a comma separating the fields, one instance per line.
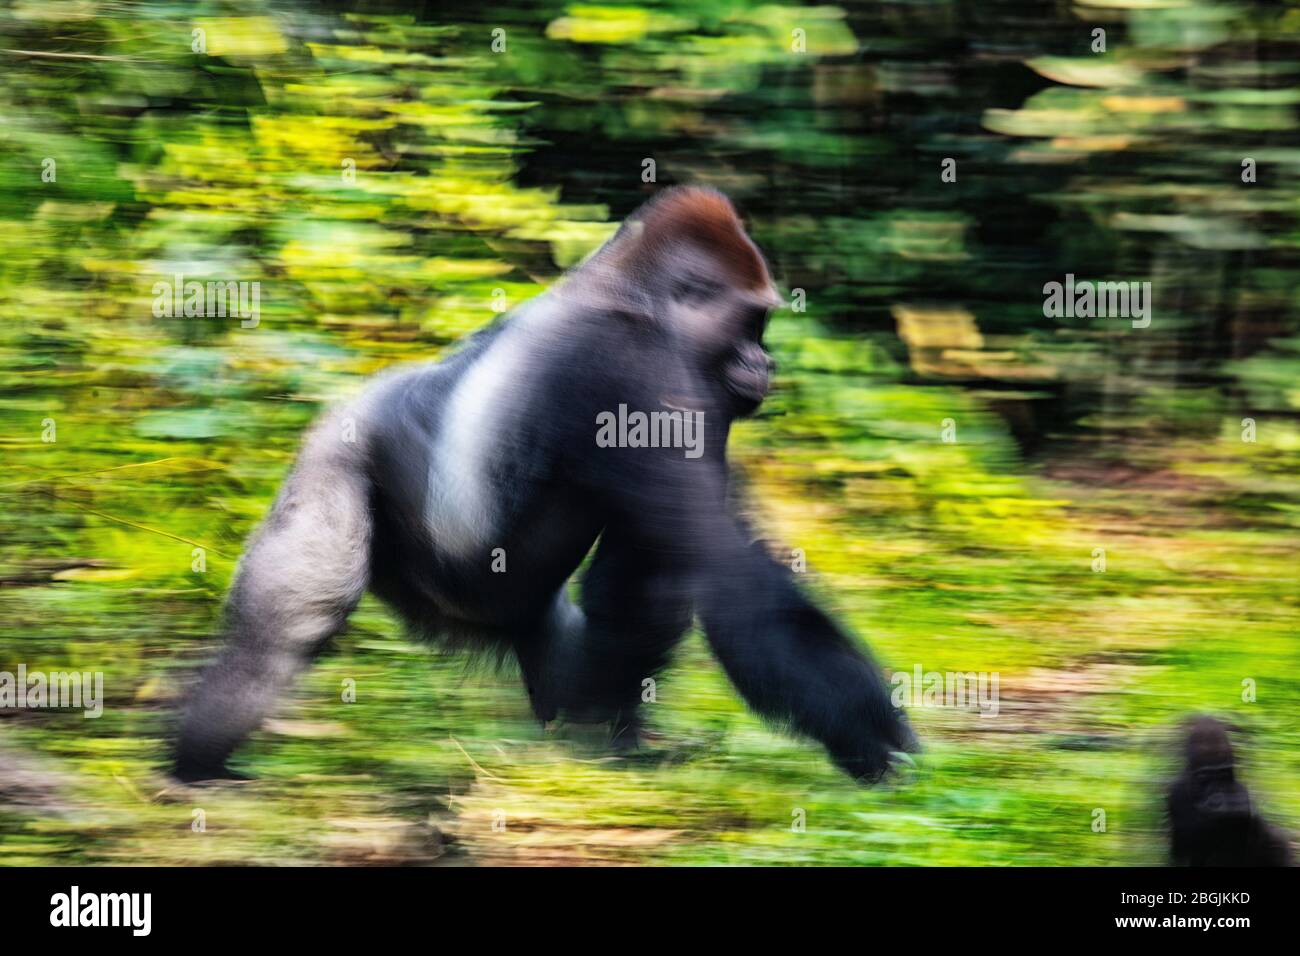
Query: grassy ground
x=933, y=555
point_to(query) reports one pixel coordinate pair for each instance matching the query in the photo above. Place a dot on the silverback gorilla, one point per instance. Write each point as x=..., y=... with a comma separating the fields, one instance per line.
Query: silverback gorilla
x=472, y=489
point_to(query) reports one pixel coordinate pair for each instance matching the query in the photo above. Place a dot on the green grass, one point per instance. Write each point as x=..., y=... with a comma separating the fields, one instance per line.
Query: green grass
x=1094, y=668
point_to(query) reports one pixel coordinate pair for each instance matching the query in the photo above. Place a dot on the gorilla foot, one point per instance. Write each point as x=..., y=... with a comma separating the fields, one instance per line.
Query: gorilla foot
x=186, y=771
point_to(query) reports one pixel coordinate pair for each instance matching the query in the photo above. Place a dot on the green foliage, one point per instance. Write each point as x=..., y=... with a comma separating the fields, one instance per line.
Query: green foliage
x=387, y=180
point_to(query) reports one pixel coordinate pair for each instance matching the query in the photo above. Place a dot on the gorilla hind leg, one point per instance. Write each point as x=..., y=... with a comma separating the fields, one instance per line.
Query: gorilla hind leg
x=541, y=651
x=303, y=573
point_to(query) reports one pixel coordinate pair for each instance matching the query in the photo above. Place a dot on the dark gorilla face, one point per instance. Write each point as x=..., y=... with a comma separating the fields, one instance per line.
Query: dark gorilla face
x=724, y=321
x=746, y=373
x=1210, y=770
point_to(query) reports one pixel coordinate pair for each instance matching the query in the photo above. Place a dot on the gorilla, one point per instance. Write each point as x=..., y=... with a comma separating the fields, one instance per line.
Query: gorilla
x=464, y=494
x=1211, y=819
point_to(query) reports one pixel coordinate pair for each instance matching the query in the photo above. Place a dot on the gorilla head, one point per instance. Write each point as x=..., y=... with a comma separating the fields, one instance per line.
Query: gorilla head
x=684, y=258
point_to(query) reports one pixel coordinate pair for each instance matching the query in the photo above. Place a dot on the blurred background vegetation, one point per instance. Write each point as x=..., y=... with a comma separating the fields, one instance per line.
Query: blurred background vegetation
x=226, y=154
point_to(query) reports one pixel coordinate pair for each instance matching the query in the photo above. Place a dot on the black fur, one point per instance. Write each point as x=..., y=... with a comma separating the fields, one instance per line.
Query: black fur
x=1212, y=821
x=390, y=512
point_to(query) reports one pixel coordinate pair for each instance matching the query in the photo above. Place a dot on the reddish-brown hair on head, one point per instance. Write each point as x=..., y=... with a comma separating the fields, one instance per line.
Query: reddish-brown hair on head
x=705, y=217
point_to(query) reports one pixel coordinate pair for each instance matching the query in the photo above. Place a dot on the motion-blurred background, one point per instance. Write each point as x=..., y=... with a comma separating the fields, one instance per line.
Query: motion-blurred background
x=948, y=459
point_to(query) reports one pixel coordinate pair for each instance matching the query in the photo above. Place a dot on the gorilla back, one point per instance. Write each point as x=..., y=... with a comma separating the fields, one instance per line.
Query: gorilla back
x=466, y=493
